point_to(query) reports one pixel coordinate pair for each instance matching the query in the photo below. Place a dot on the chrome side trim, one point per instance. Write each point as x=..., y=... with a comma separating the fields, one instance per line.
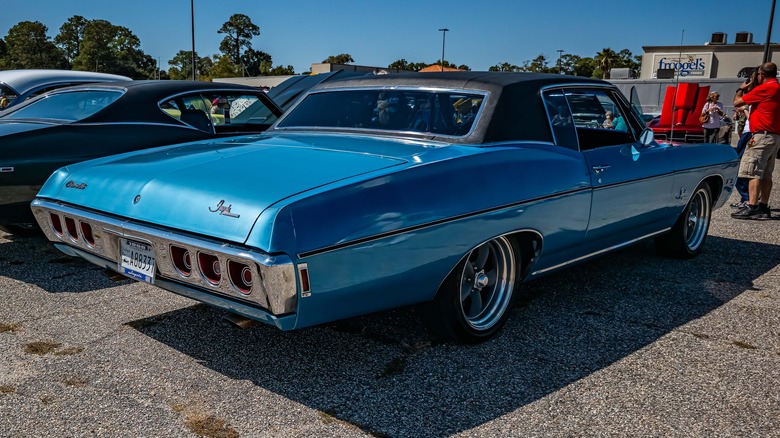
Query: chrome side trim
x=605, y=250
x=276, y=289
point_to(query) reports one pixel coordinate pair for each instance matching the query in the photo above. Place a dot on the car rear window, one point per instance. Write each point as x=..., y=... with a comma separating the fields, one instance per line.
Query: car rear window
x=439, y=112
x=69, y=106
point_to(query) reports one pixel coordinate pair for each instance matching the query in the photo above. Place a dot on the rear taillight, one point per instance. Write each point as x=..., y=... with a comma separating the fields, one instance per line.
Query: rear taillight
x=303, y=272
x=209, y=267
x=181, y=260
x=86, y=231
x=70, y=226
x=56, y=224
x=240, y=276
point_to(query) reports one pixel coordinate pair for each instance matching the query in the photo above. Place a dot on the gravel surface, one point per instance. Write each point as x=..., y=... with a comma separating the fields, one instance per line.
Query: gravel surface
x=630, y=344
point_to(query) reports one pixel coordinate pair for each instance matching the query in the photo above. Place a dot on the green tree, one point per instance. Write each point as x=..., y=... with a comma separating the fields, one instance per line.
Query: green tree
x=606, y=59
x=400, y=64
x=536, y=65
x=28, y=46
x=282, y=71
x=239, y=31
x=256, y=62
x=625, y=59
x=344, y=58
x=181, y=66
x=113, y=49
x=504, y=66
x=224, y=67
x=568, y=63
x=70, y=37
x=585, y=67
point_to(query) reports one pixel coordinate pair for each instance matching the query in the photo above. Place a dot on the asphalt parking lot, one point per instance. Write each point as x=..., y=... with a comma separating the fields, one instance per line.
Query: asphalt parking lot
x=630, y=344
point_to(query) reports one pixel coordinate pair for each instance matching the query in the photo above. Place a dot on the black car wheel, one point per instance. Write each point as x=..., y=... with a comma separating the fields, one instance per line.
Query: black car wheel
x=473, y=303
x=687, y=236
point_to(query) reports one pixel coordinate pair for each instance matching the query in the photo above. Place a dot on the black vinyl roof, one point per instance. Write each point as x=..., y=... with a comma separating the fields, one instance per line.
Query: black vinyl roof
x=140, y=100
x=514, y=111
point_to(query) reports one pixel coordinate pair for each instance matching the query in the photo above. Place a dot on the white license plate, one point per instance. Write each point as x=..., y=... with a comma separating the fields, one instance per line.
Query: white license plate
x=138, y=260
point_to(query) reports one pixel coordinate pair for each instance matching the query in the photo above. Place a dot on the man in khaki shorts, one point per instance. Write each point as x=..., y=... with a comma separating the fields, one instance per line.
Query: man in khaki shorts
x=758, y=161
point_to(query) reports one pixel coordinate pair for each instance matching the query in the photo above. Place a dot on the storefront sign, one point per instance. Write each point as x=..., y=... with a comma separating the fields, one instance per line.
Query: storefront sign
x=687, y=64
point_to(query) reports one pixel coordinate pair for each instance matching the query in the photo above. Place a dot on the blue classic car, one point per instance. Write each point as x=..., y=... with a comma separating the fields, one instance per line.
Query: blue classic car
x=450, y=189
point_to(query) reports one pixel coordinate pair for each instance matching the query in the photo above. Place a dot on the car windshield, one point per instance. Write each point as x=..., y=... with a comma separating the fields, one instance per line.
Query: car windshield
x=69, y=106
x=440, y=112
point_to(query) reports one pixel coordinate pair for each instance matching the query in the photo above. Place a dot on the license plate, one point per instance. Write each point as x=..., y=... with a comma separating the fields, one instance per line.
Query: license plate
x=138, y=260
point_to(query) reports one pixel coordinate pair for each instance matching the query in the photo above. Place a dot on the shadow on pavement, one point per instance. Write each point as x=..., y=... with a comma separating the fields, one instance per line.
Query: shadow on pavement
x=383, y=373
x=34, y=260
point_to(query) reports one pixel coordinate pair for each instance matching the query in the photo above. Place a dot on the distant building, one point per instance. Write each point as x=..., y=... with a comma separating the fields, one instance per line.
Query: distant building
x=716, y=59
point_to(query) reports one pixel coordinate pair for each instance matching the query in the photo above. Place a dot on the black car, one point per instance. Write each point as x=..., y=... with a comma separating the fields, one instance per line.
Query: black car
x=83, y=122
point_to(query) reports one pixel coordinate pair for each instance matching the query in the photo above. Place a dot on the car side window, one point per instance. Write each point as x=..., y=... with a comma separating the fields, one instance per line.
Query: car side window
x=560, y=118
x=599, y=120
x=228, y=112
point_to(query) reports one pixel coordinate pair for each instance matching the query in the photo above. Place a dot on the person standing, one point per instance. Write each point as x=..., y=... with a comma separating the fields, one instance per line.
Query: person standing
x=758, y=161
x=714, y=110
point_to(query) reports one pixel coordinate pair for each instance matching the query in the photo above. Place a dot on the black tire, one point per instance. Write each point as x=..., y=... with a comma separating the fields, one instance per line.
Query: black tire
x=474, y=301
x=686, y=238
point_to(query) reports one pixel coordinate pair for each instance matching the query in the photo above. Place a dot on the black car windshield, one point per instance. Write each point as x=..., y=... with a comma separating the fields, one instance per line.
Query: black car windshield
x=69, y=106
x=439, y=112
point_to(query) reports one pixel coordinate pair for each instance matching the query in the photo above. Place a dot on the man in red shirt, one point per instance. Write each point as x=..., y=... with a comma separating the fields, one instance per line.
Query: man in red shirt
x=758, y=161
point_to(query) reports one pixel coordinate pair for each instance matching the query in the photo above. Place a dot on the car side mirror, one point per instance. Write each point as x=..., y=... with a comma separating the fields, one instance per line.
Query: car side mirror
x=647, y=137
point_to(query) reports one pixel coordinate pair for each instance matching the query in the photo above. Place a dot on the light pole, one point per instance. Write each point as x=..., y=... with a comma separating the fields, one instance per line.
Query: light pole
x=769, y=33
x=192, y=13
x=443, y=38
x=560, y=70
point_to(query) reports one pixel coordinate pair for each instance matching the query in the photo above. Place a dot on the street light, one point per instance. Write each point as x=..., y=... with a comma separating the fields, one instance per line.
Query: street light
x=443, y=37
x=192, y=13
x=769, y=33
x=560, y=70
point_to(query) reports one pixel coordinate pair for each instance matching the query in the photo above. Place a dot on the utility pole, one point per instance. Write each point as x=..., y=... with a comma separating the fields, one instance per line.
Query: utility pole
x=192, y=13
x=769, y=33
x=560, y=70
x=443, y=38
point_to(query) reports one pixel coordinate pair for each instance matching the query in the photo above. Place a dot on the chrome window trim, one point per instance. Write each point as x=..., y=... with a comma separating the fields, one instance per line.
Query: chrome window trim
x=580, y=85
x=59, y=91
x=485, y=95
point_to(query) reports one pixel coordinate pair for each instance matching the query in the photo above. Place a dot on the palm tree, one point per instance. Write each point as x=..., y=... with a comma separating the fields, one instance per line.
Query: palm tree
x=606, y=58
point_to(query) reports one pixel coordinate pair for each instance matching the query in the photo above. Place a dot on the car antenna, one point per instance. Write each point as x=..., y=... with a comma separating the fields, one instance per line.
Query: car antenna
x=676, y=87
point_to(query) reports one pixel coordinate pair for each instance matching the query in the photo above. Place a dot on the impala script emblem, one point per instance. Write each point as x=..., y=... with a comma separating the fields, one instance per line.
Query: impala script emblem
x=73, y=185
x=224, y=211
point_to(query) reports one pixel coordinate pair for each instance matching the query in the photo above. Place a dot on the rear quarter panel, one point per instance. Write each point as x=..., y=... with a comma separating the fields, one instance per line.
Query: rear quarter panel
x=391, y=239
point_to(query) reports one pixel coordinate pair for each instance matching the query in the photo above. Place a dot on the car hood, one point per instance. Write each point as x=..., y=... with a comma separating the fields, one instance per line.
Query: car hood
x=216, y=189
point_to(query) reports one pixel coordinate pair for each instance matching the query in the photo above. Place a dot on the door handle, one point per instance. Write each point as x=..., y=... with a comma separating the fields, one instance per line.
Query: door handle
x=6, y=169
x=599, y=169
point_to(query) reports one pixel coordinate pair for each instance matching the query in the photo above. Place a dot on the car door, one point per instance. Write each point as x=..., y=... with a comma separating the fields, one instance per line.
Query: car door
x=632, y=183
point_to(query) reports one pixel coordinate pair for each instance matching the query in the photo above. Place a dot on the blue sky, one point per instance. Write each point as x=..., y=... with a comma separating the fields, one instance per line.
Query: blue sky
x=482, y=33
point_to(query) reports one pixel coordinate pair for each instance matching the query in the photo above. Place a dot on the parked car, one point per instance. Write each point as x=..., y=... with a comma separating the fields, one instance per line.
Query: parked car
x=449, y=189
x=89, y=121
x=16, y=86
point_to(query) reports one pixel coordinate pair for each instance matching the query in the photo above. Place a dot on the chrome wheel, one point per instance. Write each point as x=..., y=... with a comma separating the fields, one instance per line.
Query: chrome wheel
x=687, y=236
x=698, y=221
x=487, y=281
